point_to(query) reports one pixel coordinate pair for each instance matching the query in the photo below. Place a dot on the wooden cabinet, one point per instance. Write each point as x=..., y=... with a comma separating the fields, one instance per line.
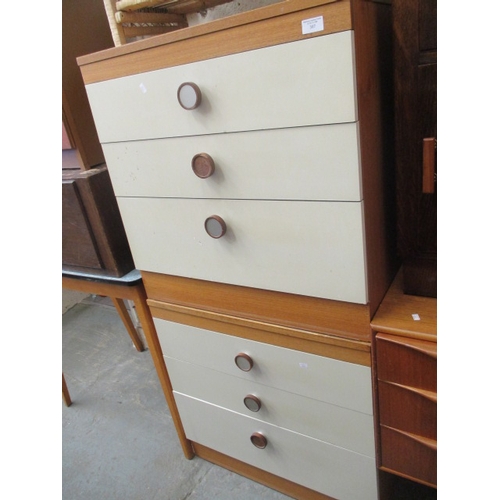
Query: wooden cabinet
x=282, y=249
x=415, y=66
x=93, y=236
x=405, y=363
x=308, y=410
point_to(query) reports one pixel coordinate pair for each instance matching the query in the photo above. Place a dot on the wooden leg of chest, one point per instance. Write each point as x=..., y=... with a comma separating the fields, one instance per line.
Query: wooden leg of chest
x=146, y=320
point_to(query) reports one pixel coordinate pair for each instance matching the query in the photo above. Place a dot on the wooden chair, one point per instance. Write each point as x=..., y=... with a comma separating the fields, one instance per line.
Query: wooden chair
x=129, y=19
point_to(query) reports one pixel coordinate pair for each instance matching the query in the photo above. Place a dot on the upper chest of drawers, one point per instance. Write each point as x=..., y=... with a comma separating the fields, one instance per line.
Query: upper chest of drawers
x=308, y=82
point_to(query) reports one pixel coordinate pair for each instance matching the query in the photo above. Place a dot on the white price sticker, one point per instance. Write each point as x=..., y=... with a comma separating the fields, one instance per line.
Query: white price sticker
x=312, y=25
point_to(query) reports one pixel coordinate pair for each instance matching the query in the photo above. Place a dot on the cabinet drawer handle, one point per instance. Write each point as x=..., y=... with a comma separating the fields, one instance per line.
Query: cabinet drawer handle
x=189, y=95
x=244, y=362
x=258, y=440
x=252, y=402
x=203, y=165
x=215, y=226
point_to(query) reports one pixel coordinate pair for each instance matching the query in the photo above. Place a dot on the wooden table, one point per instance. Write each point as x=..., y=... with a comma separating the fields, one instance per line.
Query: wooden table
x=127, y=287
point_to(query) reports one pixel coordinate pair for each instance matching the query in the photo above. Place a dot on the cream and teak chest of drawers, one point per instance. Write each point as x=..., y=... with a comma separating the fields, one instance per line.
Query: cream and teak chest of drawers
x=249, y=159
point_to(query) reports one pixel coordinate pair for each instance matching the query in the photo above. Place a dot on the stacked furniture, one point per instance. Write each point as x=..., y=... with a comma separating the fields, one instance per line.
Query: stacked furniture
x=251, y=159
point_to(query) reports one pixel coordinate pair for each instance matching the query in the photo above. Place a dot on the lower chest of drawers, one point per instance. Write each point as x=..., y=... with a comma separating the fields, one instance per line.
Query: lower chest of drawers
x=312, y=414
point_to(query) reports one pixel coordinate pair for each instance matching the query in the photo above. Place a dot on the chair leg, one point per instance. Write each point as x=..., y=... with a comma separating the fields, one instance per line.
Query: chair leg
x=129, y=325
x=65, y=392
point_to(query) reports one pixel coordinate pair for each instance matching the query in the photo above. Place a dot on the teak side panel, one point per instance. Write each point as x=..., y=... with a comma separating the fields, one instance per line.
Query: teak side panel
x=374, y=77
x=338, y=319
x=247, y=31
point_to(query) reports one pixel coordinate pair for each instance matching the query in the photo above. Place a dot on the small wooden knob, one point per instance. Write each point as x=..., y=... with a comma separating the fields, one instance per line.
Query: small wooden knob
x=189, y=95
x=243, y=361
x=203, y=165
x=215, y=226
x=252, y=402
x=258, y=440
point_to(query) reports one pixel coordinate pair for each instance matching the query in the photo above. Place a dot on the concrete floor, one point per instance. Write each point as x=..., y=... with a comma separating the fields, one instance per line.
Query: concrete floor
x=118, y=439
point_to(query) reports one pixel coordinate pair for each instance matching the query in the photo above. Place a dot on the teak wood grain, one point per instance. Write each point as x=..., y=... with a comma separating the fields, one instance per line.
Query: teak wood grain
x=396, y=314
x=404, y=361
x=328, y=317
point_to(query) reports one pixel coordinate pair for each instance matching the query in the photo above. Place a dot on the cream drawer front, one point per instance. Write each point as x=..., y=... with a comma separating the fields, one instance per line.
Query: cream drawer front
x=306, y=248
x=305, y=163
x=336, y=382
x=309, y=82
x=333, y=424
x=320, y=466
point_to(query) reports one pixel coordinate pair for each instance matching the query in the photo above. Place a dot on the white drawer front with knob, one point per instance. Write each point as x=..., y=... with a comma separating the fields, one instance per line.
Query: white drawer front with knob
x=329, y=469
x=306, y=248
x=309, y=82
x=344, y=384
x=333, y=424
x=305, y=163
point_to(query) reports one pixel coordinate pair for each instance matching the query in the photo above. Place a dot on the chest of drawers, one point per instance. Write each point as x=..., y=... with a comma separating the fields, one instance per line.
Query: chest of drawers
x=406, y=384
x=261, y=222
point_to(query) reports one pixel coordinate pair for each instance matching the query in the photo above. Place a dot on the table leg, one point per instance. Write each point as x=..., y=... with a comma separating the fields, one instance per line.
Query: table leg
x=127, y=321
x=65, y=392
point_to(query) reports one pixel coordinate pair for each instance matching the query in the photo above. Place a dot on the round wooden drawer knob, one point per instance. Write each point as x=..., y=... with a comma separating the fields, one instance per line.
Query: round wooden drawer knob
x=252, y=402
x=215, y=226
x=258, y=440
x=203, y=165
x=243, y=361
x=189, y=95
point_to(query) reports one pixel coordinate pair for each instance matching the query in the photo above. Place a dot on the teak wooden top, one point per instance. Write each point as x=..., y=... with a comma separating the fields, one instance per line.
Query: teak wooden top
x=262, y=27
x=396, y=314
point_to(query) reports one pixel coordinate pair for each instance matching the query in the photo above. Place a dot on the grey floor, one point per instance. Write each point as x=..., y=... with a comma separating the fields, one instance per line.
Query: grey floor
x=118, y=439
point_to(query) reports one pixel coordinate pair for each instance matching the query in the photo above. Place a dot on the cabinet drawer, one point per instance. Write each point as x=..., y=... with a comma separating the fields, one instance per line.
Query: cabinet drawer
x=274, y=87
x=333, y=424
x=336, y=382
x=306, y=248
x=409, y=455
x=304, y=163
x=312, y=463
x=407, y=362
x=408, y=409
